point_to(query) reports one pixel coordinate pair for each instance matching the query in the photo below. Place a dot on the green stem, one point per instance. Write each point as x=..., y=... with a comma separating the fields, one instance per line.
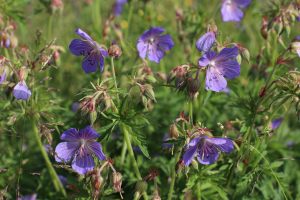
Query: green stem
x=191, y=111
x=173, y=176
x=56, y=182
x=124, y=150
x=97, y=16
x=131, y=154
x=132, y=3
x=113, y=72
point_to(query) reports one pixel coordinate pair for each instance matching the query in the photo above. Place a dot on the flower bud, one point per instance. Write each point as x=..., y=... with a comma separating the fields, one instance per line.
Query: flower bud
x=173, y=131
x=93, y=116
x=193, y=86
x=88, y=105
x=114, y=51
x=22, y=73
x=141, y=186
x=264, y=27
x=148, y=92
x=117, y=181
x=156, y=195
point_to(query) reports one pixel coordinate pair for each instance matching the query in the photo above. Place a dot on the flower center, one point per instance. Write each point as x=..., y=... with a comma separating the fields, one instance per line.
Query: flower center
x=151, y=40
x=212, y=63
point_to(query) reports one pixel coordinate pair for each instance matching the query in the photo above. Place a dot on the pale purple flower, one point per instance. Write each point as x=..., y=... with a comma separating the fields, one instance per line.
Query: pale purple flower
x=21, y=91
x=153, y=45
x=206, y=149
x=206, y=41
x=231, y=9
x=79, y=146
x=118, y=6
x=276, y=123
x=220, y=66
x=93, y=53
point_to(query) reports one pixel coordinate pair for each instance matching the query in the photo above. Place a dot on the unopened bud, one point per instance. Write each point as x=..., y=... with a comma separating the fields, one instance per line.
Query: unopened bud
x=93, y=116
x=114, y=51
x=22, y=73
x=173, y=131
x=147, y=90
x=117, y=181
x=141, y=186
x=264, y=27
x=193, y=86
x=156, y=195
x=245, y=53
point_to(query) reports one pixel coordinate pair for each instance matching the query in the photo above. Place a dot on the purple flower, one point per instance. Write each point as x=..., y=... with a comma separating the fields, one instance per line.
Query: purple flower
x=118, y=6
x=276, y=123
x=21, y=91
x=220, y=66
x=231, y=9
x=93, y=53
x=206, y=149
x=79, y=148
x=206, y=41
x=2, y=76
x=153, y=45
x=63, y=179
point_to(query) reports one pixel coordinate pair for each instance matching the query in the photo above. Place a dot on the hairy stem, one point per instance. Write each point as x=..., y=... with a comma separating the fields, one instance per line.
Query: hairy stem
x=173, y=176
x=56, y=182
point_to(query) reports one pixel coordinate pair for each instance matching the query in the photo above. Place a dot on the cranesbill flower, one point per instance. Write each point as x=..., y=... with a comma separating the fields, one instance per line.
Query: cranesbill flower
x=93, y=53
x=153, y=45
x=206, y=149
x=118, y=6
x=220, y=66
x=28, y=197
x=231, y=9
x=206, y=41
x=21, y=91
x=79, y=146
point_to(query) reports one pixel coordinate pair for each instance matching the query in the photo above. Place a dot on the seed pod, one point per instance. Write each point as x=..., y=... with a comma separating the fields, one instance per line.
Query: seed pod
x=114, y=51
x=117, y=181
x=193, y=86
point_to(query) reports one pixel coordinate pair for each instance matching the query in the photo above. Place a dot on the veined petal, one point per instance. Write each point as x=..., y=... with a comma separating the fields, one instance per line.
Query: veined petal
x=189, y=155
x=65, y=151
x=227, y=54
x=165, y=42
x=222, y=144
x=230, y=68
x=142, y=48
x=79, y=47
x=83, y=163
x=88, y=133
x=70, y=135
x=92, y=62
x=83, y=34
x=206, y=59
x=214, y=80
x=207, y=155
x=206, y=41
x=152, y=32
x=96, y=149
x=231, y=12
x=155, y=54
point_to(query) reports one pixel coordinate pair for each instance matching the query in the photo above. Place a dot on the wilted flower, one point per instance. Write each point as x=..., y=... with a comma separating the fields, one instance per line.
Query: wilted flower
x=93, y=53
x=206, y=41
x=276, y=123
x=79, y=148
x=206, y=149
x=154, y=45
x=114, y=51
x=118, y=7
x=231, y=9
x=220, y=66
x=21, y=91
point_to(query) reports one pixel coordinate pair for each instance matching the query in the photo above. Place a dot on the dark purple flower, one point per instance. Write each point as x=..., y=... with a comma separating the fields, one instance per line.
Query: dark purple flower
x=276, y=123
x=220, y=66
x=79, y=148
x=231, y=9
x=93, y=53
x=153, y=45
x=206, y=41
x=118, y=6
x=206, y=149
x=21, y=91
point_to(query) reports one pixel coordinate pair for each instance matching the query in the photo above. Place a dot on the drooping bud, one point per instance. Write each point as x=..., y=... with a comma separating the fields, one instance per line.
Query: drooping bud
x=114, y=51
x=264, y=27
x=193, y=86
